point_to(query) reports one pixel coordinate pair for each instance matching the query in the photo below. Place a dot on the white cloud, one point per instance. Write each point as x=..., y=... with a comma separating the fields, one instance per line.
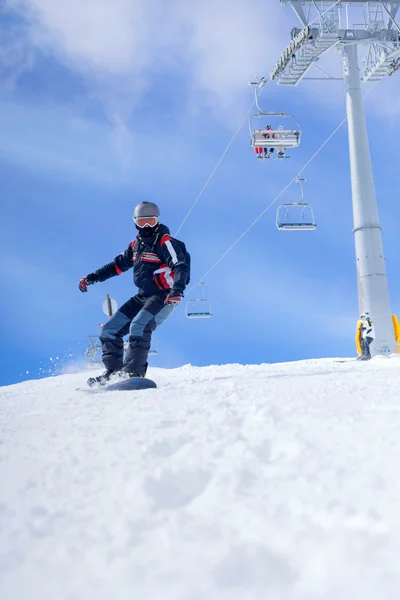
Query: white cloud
x=222, y=43
x=384, y=100
x=120, y=45
x=96, y=35
x=15, y=54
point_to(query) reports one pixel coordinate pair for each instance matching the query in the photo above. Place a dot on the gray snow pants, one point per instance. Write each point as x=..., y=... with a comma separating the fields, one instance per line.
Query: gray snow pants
x=139, y=317
x=365, y=344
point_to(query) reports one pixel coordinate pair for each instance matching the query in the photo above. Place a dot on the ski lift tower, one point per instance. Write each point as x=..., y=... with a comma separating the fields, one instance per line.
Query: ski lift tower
x=345, y=25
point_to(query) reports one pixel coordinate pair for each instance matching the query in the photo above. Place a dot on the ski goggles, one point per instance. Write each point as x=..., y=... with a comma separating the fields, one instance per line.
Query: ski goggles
x=146, y=221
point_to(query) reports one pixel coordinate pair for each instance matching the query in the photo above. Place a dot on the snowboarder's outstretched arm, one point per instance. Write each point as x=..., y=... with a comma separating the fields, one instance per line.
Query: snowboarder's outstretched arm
x=123, y=262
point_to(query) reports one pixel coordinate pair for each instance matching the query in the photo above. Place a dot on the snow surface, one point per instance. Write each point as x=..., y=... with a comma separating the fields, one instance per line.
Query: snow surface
x=276, y=482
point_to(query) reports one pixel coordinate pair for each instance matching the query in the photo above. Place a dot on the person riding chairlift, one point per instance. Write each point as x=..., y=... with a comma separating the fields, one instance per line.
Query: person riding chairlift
x=268, y=151
x=258, y=150
x=268, y=135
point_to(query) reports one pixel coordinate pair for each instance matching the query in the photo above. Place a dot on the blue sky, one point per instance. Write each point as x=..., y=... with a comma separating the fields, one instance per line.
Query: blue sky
x=133, y=101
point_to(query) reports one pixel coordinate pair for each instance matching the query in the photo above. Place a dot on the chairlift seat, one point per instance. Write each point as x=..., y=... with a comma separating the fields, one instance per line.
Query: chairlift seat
x=275, y=138
x=198, y=315
x=296, y=226
x=195, y=311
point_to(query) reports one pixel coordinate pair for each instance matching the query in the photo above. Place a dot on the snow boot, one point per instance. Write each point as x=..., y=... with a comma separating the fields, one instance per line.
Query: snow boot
x=100, y=380
x=126, y=374
x=110, y=376
x=121, y=375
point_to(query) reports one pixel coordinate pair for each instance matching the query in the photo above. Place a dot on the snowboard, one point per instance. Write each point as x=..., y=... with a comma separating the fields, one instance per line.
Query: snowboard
x=351, y=360
x=345, y=361
x=134, y=383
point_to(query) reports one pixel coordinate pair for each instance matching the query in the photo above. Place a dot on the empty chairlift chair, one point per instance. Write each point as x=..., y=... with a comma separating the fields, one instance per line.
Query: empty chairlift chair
x=296, y=216
x=199, y=308
x=93, y=351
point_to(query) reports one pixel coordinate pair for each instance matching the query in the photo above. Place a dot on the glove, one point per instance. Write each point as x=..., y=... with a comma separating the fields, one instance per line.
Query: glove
x=85, y=281
x=173, y=297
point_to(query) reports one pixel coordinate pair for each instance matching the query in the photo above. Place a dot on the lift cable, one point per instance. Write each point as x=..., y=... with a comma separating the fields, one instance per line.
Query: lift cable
x=276, y=198
x=215, y=168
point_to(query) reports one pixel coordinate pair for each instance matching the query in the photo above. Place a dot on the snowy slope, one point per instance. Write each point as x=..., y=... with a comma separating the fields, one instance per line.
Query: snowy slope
x=234, y=482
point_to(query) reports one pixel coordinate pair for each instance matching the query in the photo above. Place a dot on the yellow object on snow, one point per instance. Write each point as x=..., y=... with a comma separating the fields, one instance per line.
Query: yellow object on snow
x=396, y=326
x=358, y=337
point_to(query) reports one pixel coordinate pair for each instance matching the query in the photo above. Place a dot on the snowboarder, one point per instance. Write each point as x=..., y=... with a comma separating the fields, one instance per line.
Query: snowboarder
x=161, y=271
x=365, y=336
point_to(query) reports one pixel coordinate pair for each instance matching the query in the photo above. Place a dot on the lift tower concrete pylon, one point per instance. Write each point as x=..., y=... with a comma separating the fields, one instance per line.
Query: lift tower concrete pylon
x=332, y=27
x=373, y=291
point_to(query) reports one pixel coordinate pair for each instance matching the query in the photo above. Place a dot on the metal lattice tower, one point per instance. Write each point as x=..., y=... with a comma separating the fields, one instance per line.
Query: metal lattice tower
x=345, y=25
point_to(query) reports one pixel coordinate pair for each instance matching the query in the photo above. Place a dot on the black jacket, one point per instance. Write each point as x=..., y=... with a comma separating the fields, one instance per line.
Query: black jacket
x=159, y=263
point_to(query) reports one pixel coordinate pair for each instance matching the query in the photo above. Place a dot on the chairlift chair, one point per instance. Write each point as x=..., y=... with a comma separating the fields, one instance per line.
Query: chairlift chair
x=268, y=140
x=93, y=351
x=296, y=216
x=198, y=308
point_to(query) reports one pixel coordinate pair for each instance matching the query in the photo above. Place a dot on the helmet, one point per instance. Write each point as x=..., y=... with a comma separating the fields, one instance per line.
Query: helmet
x=146, y=215
x=365, y=315
x=146, y=209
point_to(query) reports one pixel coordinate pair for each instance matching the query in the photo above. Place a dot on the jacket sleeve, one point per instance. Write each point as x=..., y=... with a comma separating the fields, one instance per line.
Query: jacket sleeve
x=173, y=254
x=121, y=263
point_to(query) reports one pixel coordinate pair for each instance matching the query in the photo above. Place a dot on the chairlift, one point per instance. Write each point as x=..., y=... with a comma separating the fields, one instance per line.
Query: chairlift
x=296, y=216
x=93, y=351
x=199, y=308
x=153, y=350
x=271, y=141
